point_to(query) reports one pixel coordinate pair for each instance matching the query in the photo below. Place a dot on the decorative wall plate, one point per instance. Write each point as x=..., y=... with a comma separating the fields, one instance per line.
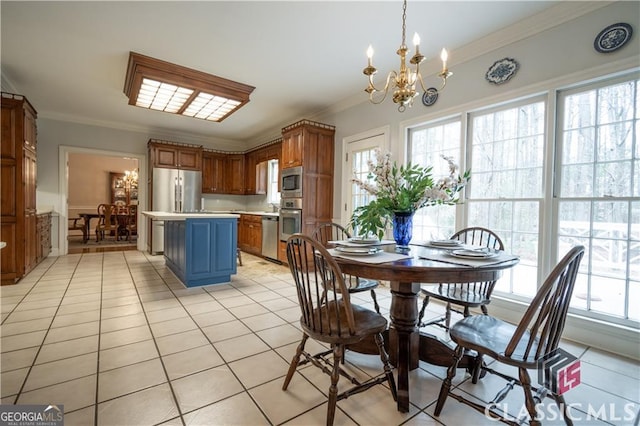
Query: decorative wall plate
x=501, y=71
x=613, y=37
x=430, y=96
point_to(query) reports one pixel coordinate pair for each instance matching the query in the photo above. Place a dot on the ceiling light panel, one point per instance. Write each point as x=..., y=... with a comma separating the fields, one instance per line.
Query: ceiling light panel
x=162, y=86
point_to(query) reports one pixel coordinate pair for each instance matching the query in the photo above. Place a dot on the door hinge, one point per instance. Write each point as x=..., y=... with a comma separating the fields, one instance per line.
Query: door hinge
x=346, y=156
x=345, y=207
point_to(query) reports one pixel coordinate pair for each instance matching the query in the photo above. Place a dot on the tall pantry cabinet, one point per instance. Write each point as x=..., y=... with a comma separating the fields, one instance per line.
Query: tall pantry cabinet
x=310, y=144
x=18, y=228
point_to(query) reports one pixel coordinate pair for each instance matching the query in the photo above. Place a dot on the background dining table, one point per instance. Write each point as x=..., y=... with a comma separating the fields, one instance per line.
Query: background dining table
x=406, y=272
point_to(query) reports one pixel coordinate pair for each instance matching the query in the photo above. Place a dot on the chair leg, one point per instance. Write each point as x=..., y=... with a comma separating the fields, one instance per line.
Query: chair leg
x=447, y=316
x=477, y=369
x=375, y=301
x=387, y=368
x=484, y=309
x=333, y=389
x=446, y=383
x=239, y=257
x=294, y=362
x=528, y=396
x=425, y=302
x=562, y=405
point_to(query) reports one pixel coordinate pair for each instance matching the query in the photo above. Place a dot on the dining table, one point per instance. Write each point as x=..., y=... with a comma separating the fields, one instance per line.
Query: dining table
x=86, y=230
x=406, y=272
x=121, y=217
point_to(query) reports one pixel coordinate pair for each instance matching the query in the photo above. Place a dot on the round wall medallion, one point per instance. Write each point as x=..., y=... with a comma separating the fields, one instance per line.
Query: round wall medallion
x=430, y=96
x=501, y=71
x=613, y=37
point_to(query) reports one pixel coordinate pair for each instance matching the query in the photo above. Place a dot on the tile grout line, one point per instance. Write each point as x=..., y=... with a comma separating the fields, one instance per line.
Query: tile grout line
x=155, y=343
x=44, y=338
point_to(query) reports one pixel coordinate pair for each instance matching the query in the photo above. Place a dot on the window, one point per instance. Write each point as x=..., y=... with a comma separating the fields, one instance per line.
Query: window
x=427, y=144
x=542, y=199
x=506, y=189
x=598, y=194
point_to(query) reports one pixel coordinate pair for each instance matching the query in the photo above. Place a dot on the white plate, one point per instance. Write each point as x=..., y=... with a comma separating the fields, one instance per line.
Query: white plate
x=446, y=243
x=473, y=254
x=357, y=251
x=363, y=240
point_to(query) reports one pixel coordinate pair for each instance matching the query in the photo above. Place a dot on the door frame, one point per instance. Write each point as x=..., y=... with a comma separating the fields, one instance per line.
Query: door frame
x=63, y=185
x=385, y=132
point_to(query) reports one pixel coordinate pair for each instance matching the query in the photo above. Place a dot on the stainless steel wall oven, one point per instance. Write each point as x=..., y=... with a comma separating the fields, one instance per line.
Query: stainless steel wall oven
x=290, y=217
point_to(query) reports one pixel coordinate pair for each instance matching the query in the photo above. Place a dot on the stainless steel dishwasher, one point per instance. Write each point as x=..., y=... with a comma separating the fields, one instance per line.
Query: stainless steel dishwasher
x=270, y=237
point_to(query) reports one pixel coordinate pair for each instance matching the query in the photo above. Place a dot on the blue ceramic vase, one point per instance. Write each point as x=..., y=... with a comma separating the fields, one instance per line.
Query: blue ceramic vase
x=402, y=229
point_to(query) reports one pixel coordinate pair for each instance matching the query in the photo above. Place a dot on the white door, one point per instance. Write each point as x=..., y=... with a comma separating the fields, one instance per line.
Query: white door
x=358, y=151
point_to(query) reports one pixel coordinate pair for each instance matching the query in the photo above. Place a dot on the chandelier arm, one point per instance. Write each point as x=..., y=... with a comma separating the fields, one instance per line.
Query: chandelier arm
x=385, y=90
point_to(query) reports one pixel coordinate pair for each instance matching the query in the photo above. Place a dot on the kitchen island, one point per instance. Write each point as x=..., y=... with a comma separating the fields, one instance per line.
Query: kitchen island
x=200, y=248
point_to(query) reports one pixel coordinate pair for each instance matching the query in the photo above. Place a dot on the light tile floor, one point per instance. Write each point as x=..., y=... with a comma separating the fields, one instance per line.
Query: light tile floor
x=119, y=341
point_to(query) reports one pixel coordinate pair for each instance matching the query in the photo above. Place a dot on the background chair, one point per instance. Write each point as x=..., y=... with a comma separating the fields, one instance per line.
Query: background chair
x=128, y=221
x=536, y=337
x=334, y=232
x=76, y=224
x=330, y=318
x=107, y=223
x=467, y=295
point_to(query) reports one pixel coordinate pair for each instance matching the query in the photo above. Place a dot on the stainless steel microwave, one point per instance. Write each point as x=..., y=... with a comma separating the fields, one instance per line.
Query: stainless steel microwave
x=291, y=183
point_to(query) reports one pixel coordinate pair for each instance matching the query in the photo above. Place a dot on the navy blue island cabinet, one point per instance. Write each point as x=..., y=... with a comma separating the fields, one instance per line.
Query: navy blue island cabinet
x=201, y=249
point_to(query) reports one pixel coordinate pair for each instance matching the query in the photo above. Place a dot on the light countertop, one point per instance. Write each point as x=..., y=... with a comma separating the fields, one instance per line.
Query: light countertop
x=182, y=216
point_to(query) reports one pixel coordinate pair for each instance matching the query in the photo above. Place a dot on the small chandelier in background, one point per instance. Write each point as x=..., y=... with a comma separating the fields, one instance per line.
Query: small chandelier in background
x=404, y=80
x=131, y=177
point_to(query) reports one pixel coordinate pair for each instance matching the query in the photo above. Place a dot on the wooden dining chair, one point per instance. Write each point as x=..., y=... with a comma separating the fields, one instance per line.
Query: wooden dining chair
x=330, y=231
x=329, y=318
x=128, y=221
x=466, y=295
x=107, y=223
x=534, y=339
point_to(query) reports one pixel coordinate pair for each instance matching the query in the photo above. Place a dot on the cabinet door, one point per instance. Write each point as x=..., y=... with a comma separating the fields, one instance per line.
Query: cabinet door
x=189, y=158
x=250, y=173
x=165, y=156
x=261, y=177
x=234, y=175
x=292, y=148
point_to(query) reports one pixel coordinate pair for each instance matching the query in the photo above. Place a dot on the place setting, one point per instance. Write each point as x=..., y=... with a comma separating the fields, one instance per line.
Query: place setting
x=467, y=255
x=364, y=249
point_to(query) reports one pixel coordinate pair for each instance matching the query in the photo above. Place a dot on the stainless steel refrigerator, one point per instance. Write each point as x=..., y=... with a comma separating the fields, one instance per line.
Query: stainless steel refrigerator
x=173, y=191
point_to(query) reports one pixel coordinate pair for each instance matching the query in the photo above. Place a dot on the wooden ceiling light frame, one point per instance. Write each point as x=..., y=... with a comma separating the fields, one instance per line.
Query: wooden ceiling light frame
x=141, y=67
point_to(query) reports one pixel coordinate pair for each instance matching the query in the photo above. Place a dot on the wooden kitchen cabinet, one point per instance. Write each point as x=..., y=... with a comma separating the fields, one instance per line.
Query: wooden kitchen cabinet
x=311, y=145
x=292, y=147
x=234, y=174
x=175, y=156
x=261, y=177
x=213, y=172
x=256, y=167
x=18, y=174
x=250, y=163
x=250, y=234
x=43, y=236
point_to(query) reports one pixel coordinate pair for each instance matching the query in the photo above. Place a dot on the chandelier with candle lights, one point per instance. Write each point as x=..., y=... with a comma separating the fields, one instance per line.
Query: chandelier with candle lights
x=403, y=81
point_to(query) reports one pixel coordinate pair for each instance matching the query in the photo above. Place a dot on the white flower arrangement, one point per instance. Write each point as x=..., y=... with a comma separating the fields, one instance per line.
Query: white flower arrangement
x=402, y=189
